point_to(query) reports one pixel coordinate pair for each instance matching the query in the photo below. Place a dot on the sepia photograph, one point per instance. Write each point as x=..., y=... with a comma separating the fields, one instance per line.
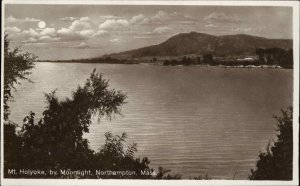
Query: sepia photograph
x=125, y=92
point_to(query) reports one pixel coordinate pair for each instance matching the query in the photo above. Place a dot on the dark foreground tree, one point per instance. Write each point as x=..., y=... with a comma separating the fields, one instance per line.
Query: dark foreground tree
x=17, y=66
x=277, y=162
x=56, y=139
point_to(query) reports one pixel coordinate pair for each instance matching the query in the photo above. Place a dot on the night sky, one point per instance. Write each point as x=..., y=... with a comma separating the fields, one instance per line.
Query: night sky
x=83, y=31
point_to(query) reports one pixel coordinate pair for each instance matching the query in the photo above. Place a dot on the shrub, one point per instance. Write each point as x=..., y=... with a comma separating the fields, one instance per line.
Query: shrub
x=277, y=162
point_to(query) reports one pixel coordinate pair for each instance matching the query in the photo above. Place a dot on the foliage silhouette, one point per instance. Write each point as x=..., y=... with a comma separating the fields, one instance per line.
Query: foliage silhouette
x=56, y=140
x=186, y=61
x=162, y=174
x=112, y=156
x=275, y=56
x=277, y=162
x=208, y=58
x=205, y=177
x=16, y=67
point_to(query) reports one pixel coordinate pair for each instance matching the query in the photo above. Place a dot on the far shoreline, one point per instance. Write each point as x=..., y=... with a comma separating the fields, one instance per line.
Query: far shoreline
x=197, y=65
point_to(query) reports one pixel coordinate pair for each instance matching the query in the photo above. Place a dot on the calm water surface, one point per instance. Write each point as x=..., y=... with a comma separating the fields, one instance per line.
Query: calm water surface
x=192, y=120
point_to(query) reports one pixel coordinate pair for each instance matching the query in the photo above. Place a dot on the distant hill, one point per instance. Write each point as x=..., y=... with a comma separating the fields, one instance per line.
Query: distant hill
x=200, y=44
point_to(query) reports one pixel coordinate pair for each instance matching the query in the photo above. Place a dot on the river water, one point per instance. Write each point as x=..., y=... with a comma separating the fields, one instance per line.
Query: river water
x=193, y=120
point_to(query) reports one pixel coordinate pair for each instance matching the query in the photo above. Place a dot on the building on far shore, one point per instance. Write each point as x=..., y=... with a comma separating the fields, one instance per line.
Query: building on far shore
x=248, y=58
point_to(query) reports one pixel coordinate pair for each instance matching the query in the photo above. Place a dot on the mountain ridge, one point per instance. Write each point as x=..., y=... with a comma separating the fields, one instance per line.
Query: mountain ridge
x=202, y=43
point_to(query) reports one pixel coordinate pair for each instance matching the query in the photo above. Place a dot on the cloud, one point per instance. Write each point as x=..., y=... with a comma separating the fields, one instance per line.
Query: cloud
x=158, y=18
x=113, y=24
x=162, y=17
x=87, y=33
x=69, y=35
x=28, y=36
x=143, y=37
x=82, y=45
x=67, y=19
x=182, y=18
x=120, y=24
x=155, y=31
x=64, y=31
x=110, y=17
x=85, y=19
x=30, y=33
x=101, y=33
x=81, y=24
x=12, y=19
x=33, y=36
x=137, y=19
x=48, y=31
x=161, y=30
x=79, y=29
x=243, y=29
x=45, y=36
x=12, y=30
x=221, y=18
x=76, y=27
x=30, y=40
x=211, y=25
x=47, y=39
x=115, y=40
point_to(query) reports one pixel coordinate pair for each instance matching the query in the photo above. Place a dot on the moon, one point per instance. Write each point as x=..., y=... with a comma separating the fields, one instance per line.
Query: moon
x=42, y=24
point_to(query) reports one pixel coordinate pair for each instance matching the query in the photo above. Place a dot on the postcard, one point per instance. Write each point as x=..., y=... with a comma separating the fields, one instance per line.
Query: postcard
x=150, y=92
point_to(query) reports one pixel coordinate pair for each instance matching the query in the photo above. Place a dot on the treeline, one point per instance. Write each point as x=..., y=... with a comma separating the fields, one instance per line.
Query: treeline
x=270, y=56
x=275, y=56
x=107, y=59
x=186, y=61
